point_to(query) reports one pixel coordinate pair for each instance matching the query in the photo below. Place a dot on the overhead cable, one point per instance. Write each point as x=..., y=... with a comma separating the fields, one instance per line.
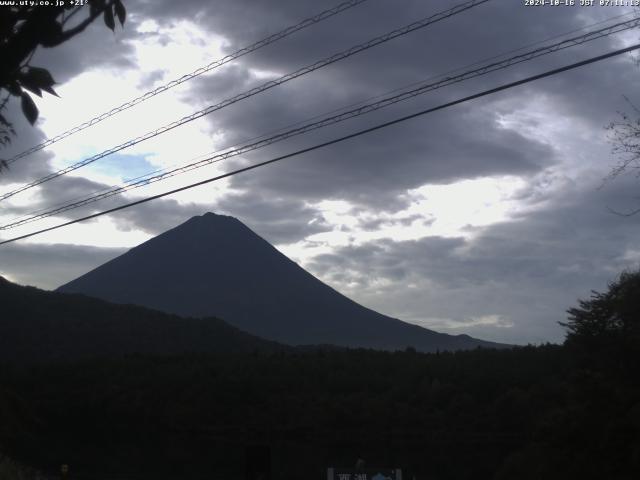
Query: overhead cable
x=254, y=91
x=204, y=69
x=334, y=141
x=355, y=112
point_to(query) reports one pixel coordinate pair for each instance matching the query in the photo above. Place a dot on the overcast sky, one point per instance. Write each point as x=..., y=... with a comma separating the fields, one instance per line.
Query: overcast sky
x=489, y=218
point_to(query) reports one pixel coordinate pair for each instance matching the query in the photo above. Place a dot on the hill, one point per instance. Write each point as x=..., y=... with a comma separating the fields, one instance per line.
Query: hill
x=43, y=326
x=213, y=265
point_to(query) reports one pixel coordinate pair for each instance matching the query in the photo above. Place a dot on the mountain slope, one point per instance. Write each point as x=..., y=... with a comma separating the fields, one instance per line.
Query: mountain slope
x=215, y=265
x=37, y=325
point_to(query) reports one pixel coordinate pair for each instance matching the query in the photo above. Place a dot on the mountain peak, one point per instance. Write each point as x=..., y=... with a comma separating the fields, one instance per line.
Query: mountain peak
x=214, y=265
x=210, y=220
x=210, y=216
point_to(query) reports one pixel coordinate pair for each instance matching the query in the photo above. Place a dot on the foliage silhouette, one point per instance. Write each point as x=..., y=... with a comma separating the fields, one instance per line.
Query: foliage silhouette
x=605, y=329
x=26, y=26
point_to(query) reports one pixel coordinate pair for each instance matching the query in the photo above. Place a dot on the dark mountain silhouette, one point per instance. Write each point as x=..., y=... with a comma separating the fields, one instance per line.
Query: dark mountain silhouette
x=37, y=325
x=213, y=265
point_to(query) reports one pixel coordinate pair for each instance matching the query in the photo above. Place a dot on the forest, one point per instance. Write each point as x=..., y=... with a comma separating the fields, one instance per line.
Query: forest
x=547, y=411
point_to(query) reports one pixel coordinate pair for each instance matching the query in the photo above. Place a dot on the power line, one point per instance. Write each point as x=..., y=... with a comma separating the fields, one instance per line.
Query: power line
x=352, y=105
x=364, y=109
x=43, y=211
x=300, y=122
x=337, y=140
x=327, y=121
x=254, y=91
x=204, y=69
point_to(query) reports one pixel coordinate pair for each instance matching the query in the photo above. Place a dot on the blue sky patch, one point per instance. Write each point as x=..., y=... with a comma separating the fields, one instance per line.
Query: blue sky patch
x=125, y=166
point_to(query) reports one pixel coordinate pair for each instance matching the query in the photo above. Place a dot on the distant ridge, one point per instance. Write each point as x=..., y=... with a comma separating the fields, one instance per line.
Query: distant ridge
x=37, y=326
x=213, y=265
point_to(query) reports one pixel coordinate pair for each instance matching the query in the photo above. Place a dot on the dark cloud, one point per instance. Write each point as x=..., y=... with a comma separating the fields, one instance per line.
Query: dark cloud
x=375, y=169
x=156, y=217
x=226, y=80
x=279, y=220
x=464, y=142
x=526, y=272
x=55, y=194
x=49, y=266
x=27, y=168
x=97, y=47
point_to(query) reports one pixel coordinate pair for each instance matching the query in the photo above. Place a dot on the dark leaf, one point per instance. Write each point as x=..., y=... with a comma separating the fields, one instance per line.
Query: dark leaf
x=29, y=108
x=108, y=18
x=120, y=11
x=95, y=7
x=29, y=82
x=32, y=89
x=14, y=88
x=50, y=91
x=42, y=79
x=42, y=76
